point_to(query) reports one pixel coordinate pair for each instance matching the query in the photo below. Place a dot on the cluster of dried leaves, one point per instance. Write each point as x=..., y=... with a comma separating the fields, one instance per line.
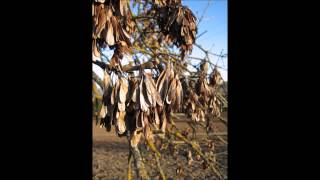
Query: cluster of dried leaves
x=138, y=104
x=201, y=98
x=178, y=24
x=215, y=103
x=112, y=26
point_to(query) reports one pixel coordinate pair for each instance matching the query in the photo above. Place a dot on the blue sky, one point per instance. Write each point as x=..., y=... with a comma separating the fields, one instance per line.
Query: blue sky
x=215, y=22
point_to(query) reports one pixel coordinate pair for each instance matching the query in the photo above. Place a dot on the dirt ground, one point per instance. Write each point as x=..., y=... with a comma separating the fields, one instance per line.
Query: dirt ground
x=110, y=154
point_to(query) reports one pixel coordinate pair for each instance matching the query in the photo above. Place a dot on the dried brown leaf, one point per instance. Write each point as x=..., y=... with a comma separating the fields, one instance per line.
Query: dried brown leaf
x=102, y=19
x=123, y=90
x=110, y=37
x=156, y=117
x=143, y=105
x=95, y=49
x=121, y=106
x=163, y=122
x=147, y=96
x=102, y=113
x=121, y=125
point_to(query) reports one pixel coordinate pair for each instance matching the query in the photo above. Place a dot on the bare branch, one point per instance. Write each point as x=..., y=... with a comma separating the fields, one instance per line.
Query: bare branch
x=208, y=52
x=204, y=12
x=101, y=64
x=97, y=79
x=201, y=34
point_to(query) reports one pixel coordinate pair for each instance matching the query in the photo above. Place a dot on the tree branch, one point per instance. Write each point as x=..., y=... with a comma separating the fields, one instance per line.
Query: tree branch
x=204, y=12
x=97, y=80
x=146, y=65
x=101, y=64
x=208, y=52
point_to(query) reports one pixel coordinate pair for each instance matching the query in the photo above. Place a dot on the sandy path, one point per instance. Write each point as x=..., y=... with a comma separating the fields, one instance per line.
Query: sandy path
x=110, y=156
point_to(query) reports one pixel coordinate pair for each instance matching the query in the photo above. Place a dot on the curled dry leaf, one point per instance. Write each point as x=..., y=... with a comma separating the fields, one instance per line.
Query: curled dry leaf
x=179, y=96
x=152, y=91
x=121, y=125
x=121, y=106
x=110, y=38
x=102, y=19
x=156, y=117
x=175, y=93
x=107, y=90
x=121, y=94
x=102, y=113
x=123, y=90
x=163, y=82
x=171, y=91
x=204, y=66
x=95, y=49
x=143, y=105
x=123, y=7
x=148, y=97
x=215, y=78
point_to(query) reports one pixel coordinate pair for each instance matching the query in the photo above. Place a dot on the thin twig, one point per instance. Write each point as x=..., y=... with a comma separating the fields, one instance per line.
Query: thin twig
x=222, y=140
x=201, y=34
x=204, y=12
x=208, y=52
x=163, y=176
